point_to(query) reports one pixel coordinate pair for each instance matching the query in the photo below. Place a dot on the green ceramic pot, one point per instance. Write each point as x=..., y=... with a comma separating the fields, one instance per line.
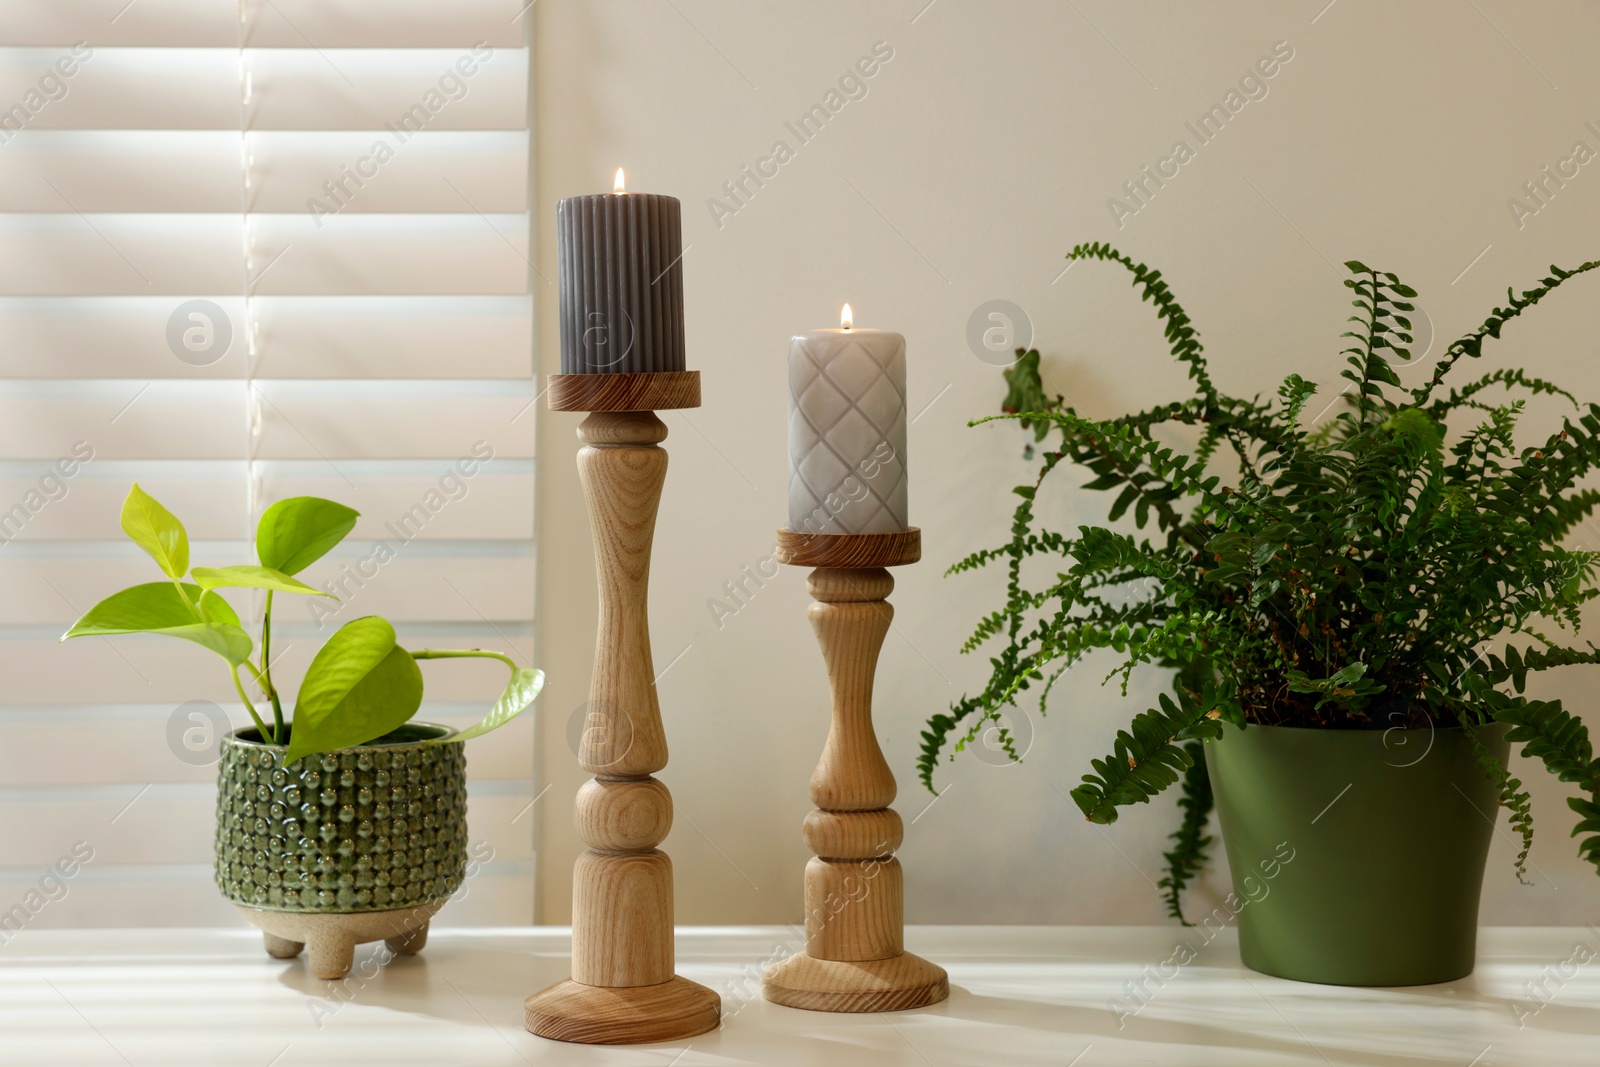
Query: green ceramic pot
x=372, y=828
x=1357, y=855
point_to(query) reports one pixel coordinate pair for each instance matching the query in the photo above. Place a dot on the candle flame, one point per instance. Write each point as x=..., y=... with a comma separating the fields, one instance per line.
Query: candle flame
x=620, y=185
x=847, y=318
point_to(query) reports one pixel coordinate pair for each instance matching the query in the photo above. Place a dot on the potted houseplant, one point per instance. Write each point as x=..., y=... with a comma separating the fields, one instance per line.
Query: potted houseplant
x=1325, y=596
x=346, y=822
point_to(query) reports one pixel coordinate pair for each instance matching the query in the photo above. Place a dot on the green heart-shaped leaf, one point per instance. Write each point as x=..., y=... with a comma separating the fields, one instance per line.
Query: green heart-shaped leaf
x=156, y=608
x=248, y=577
x=359, y=686
x=520, y=692
x=216, y=609
x=295, y=533
x=157, y=531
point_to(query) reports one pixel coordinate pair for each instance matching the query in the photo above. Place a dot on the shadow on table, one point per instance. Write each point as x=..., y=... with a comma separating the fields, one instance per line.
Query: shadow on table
x=1100, y=1024
x=476, y=985
x=1558, y=1012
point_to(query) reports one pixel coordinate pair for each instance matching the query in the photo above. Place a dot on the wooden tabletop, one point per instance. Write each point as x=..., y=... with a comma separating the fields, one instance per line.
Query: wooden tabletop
x=1019, y=996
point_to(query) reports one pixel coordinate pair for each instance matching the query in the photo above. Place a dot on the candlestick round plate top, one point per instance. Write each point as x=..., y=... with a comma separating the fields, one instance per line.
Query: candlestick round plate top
x=799, y=549
x=642, y=391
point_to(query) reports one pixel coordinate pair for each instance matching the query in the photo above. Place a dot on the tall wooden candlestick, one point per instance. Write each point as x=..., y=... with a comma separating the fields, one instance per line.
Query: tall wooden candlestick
x=855, y=958
x=623, y=989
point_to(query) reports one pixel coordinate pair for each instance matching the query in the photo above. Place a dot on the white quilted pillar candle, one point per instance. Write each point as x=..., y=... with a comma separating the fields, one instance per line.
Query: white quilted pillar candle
x=847, y=432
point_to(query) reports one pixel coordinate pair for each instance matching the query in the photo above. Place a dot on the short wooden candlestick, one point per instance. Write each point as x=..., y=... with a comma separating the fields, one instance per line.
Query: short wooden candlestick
x=623, y=989
x=855, y=959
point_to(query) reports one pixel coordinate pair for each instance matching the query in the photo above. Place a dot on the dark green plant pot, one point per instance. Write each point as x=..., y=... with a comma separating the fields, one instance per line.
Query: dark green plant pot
x=377, y=827
x=1357, y=855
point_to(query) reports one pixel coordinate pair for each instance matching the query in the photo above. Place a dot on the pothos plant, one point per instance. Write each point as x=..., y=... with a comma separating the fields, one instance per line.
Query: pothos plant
x=1350, y=573
x=360, y=685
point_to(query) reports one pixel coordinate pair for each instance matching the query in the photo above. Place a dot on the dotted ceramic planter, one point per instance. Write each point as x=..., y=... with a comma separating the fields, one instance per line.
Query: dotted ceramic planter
x=379, y=827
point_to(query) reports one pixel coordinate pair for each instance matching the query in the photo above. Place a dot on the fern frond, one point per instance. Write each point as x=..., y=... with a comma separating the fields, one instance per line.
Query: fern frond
x=1472, y=343
x=1191, y=843
x=1146, y=760
x=1385, y=299
x=1589, y=823
x=1181, y=335
x=1514, y=664
x=1549, y=733
x=1505, y=376
x=1510, y=795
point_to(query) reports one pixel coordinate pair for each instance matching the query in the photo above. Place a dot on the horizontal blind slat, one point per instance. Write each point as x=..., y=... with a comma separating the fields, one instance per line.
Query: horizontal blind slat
x=288, y=89
x=210, y=497
x=279, y=24
x=327, y=421
x=181, y=255
x=310, y=172
x=304, y=337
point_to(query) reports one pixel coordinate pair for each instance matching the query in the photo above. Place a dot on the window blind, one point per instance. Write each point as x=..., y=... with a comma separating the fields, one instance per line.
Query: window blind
x=252, y=249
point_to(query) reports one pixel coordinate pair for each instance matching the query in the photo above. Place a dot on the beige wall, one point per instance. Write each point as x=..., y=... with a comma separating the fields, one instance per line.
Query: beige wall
x=985, y=148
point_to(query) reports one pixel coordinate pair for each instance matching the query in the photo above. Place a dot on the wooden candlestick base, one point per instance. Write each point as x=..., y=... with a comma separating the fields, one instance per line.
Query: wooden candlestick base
x=855, y=958
x=623, y=1015
x=623, y=989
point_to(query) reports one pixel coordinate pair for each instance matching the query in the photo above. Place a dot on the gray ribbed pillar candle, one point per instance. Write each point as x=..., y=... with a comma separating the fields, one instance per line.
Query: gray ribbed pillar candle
x=621, y=284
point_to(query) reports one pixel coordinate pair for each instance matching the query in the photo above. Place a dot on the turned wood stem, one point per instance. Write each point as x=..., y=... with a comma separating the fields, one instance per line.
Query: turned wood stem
x=622, y=887
x=853, y=886
x=622, y=470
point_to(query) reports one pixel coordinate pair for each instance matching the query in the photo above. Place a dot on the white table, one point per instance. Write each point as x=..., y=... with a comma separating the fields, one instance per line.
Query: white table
x=1019, y=995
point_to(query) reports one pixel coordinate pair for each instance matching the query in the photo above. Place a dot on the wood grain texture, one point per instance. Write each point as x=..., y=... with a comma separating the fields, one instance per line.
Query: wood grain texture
x=622, y=988
x=835, y=835
x=852, y=774
x=622, y=484
x=849, y=585
x=622, y=428
x=849, y=550
x=637, y=391
x=594, y=1015
x=623, y=815
x=622, y=918
x=895, y=984
x=854, y=910
x=855, y=958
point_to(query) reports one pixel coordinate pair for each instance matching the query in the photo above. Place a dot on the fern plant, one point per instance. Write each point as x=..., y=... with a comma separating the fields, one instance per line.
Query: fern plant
x=1352, y=573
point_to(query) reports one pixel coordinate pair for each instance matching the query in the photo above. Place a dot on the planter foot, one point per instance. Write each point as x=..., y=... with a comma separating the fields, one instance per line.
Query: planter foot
x=332, y=953
x=281, y=948
x=332, y=937
x=408, y=944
